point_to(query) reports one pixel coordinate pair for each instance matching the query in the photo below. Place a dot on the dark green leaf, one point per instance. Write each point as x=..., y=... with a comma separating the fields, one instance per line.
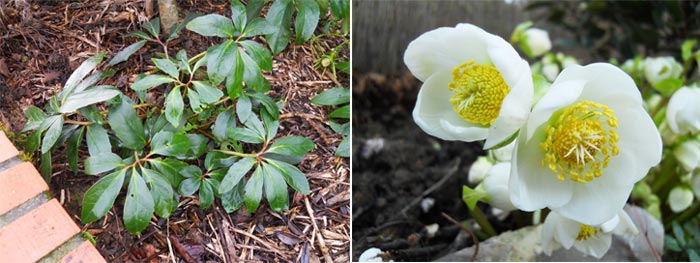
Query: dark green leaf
x=280, y=15
x=252, y=76
x=238, y=14
x=253, y=190
x=206, y=194
x=235, y=174
x=340, y=9
x=332, y=97
x=292, y=145
x=167, y=66
x=221, y=61
x=177, y=28
x=79, y=74
x=139, y=205
x=35, y=117
x=271, y=124
x=342, y=112
x=52, y=133
x=174, y=105
x=243, y=108
x=207, y=93
x=255, y=125
x=343, y=149
x=97, y=140
x=259, y=26
x=284, y=158
x=150, y=81
x=292, y=175
x=343, y=129
x=153, y=27
x=323, y=6
x=253, y=8
x=233, y=200
x=140, y=35
x=92, y=114
x=100, y=197
x=33, y=141
x=222, y=123
x=244, y=135
x=170, y=144
x=183, y=62
x=275, y=188
x=72, y=149
x=66, y=132
x=215, y=160
x=102, y=162
x=127, y=126
x=234, y=83
x=198, y=145
x=88, y=97
x=307, y=20
x=671, y=244
x=170, y=168
x=212, y=25
x=46, y=169
x=93, y=79
x=161, y=191
x=344, y=67
x=191, y=171
x=678, y=232
x=189, y=186
x=125, y=53
x=268, y=103
x=259, y=53
x=195, y=101
x=693, y=255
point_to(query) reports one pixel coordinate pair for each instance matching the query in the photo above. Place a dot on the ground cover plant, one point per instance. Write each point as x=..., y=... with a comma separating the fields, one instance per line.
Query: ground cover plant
x=194, y=126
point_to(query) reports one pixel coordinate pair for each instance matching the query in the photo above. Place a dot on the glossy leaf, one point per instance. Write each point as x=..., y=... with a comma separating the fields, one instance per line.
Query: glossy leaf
x=170, y=168
x=259, y=53
x=306, y=20
x=269, y=105
x=233, y=200
x=340, y=9
x=221, y=61
x=235, y=173
x=45, y=168
x=252, y=76
x=167, y=66
x=79, y=74
x=332, y=97
x=271, y=124
x=88, y=97
x=292, y=145
x=198, y=145
x=206, y=194
x=243, y=108
x=189, y=186
x=253, y=190
x=139, y=205
x=102, y=162
x=195, y=101
x=93, y=79
x=150, y=81
x=342, y=112
x=161, y=191
x=234, y=83
x=259, y=26
x=343, y=149
x=238, y=14
x=72, y=149
x=225, y=120
x=253, y=8
x=212, y=25
x=97, y=140
x=244, y=135
x=207, y=93
x=35, y=117
x=280, y=15
x=100, y=197
x=169, y=144
x=91, y=113
x=174, y=31
x=174, y=106
x=295, y=178
x=55, y=124
x=275, y=188
x=125, y=53
x=127, y=126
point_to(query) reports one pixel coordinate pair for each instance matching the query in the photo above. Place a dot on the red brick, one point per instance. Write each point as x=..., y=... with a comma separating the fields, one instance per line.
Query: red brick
x=36, y=234
x=7, y=150
x=85, y=253
x=18, y=184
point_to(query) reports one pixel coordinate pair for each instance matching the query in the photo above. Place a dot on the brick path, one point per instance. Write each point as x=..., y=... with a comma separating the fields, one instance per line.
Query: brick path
x=33, y=227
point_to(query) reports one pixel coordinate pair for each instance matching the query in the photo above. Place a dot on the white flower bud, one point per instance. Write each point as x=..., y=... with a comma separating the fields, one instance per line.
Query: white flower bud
x=479, y=169
x=680, y=198
x=683, y=112
x=660, y=68
x=504, y=153
x=496, y=184
x=536, y=41
x=688, y=154
x=550, y=71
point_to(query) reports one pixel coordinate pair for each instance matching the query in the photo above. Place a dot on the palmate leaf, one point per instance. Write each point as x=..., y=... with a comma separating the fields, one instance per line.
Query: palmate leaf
x=167, y=66
x=225, y=120
x=238, y=15
x=206, y=193
x=259, y=53
x=150, y=81
x=100, y=197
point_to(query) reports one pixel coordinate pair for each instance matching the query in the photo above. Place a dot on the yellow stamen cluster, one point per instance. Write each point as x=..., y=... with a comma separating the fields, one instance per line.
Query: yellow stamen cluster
x=479, y=91
x=580, y=140
x=586, y=232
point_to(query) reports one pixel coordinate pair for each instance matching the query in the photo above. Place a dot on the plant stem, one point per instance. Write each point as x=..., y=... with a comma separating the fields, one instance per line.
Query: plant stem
x=242, y=155
x=689, y=213
x=666, y=174
x=77, y=122
x=481, y=220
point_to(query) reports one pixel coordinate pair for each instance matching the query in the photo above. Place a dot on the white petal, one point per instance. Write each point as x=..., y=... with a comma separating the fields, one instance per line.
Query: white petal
x=562, y=93
x=611, y=224
x=531, y=186
x=548, y=241
x=626, y=226
x=606, y=84
x=565, y=230
x=445, y=48
x=434, y=113
x=605, y=195
x=639, y=137
x=595, y=246
x=496, y=184
x=514, y=109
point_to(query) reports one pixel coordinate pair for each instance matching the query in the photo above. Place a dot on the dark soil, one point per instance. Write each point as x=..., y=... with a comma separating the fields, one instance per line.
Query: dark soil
x=42, y=42
x=389, y=184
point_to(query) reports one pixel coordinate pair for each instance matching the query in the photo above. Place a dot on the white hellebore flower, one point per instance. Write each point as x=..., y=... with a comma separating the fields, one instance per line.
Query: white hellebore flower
x=496, y=185
x=660, y=68
x=680, y=198
x=479, y=169
x=585, y=144
x=536, y=42
x=503, y=154
x=683, y=111
x=589, y=240
x=475, y=87
x=688, y=154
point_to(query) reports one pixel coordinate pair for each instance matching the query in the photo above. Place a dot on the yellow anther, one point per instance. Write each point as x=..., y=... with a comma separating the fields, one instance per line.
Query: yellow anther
x=586, y=232
x=580, y=141
x=479, y=91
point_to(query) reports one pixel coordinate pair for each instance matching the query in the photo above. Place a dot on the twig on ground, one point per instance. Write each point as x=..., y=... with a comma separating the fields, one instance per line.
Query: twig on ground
x=453, y=169
x=321, y=241
x=466, y=229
